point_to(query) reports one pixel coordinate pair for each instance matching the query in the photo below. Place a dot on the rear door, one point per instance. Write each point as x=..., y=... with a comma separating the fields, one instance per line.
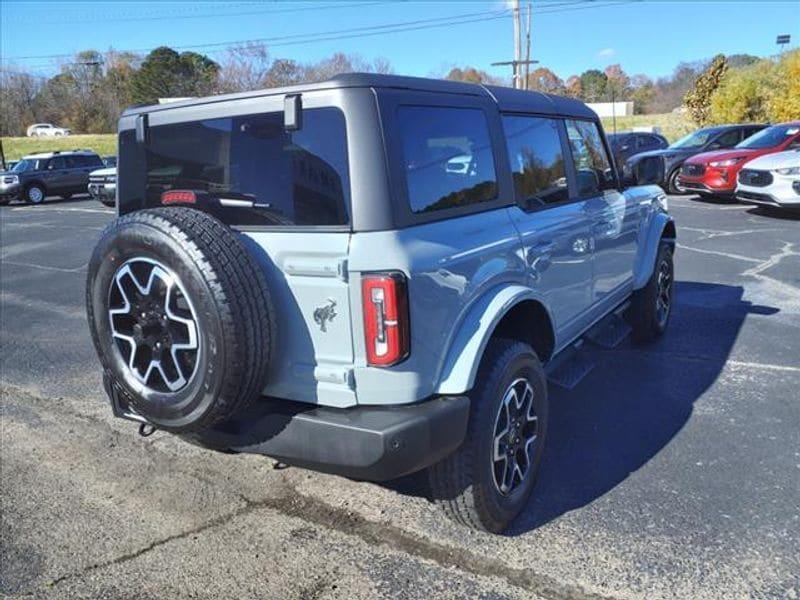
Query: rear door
x=56, y=175
x=288, y=192
x=614, y=217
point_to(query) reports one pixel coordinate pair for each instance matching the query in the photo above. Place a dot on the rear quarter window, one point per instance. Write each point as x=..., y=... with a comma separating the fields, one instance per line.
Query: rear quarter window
x=248, y=170
x=447, y=157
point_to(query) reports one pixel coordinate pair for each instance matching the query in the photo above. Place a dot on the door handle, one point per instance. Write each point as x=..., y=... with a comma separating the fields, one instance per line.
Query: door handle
x=538, y=256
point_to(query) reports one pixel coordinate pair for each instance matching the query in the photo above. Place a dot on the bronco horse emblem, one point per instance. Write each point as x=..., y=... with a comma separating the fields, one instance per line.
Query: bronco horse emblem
x=326, y=313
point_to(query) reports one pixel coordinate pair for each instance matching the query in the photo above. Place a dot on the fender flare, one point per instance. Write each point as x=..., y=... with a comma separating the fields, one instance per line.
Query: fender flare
x=646, y=260
x=475, y=330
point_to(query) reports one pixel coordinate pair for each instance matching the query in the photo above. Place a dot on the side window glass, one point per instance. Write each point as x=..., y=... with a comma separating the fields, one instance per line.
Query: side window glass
x=448, y=159
x=57, y=163
x=729, y=138
x=592, y=166
x=74, y=162
x=537, y=162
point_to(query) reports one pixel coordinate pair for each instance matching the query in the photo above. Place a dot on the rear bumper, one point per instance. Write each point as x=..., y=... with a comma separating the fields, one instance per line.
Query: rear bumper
x=366, y=442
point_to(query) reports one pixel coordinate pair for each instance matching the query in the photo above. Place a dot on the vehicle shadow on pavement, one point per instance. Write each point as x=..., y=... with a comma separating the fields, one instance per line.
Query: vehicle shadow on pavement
x=775, y=213
x=636, y=399
x=709, y=199
x=51, y=200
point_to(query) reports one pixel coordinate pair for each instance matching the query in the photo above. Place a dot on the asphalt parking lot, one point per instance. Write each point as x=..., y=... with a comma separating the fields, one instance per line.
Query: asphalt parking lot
x=672, y=470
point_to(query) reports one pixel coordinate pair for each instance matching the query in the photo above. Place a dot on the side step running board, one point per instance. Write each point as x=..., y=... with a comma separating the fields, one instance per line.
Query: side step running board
x=572, y=364
x=610, y=331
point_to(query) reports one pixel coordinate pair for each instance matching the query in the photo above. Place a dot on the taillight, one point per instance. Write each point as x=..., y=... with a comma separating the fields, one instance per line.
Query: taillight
x=385, y=299
x=178, y=197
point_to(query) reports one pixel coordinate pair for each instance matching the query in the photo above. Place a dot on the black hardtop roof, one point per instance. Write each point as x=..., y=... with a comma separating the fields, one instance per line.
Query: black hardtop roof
x=507, y=99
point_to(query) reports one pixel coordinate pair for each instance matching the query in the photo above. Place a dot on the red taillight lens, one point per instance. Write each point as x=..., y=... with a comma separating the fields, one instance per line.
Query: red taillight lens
x=385, y=299
x=178, y=197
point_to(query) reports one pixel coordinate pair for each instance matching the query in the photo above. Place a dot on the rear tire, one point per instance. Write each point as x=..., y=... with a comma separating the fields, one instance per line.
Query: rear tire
x=468, y=484
x=180, y=316
x=651, y=306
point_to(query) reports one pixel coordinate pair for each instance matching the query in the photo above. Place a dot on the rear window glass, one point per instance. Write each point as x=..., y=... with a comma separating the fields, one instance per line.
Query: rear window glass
x=448, y=157
x=250, y=170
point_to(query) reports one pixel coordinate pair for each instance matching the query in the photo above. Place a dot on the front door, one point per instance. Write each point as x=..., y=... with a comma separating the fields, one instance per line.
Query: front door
x=614, y=218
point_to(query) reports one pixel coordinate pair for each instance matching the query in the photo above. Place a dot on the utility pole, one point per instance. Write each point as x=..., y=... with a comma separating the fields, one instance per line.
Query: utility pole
x=528, y=50
x=518, y=72
x=517, y=45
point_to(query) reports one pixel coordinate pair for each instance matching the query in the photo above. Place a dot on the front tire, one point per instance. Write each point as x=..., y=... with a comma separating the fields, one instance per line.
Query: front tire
x=673, y=185
x=488, y=481
x=34, y=194
x=651, y=306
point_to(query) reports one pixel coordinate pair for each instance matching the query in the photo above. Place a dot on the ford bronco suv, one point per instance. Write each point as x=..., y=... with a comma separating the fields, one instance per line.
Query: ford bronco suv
x=372, y=276
x=59, y=173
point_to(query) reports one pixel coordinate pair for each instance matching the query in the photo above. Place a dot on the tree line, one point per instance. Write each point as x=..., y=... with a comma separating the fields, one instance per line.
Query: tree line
x=744, y=88
x=90, y=91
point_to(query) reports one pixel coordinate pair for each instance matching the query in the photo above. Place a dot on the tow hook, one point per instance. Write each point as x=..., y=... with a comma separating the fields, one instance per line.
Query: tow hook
x=147, y=429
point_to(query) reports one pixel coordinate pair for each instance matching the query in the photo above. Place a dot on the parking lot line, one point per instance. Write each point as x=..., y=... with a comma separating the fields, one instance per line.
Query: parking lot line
x=59, y=209
x=45, y=267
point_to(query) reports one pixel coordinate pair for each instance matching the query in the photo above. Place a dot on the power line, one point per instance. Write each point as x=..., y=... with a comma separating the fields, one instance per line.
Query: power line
x=171, y=15
x=315, y=36
x=367, y=31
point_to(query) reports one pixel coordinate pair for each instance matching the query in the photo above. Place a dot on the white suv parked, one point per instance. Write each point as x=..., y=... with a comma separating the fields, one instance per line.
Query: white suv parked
x=46, y=130
x=771, y=180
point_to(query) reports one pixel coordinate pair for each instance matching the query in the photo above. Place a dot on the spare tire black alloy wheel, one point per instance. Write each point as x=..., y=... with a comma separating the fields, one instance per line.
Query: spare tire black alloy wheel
x=181, y=317
x=154, y=324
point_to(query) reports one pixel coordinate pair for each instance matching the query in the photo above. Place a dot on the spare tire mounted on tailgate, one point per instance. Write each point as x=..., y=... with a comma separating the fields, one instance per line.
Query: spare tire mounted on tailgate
x=181, y=317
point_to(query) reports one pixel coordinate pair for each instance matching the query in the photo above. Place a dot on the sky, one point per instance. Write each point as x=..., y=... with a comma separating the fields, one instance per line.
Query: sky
x=568, y=36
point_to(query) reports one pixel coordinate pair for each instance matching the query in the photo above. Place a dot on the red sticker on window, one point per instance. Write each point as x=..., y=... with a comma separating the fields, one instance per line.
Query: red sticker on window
x=178, y=197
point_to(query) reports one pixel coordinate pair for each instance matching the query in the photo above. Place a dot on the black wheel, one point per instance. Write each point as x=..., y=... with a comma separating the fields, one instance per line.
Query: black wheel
x=487, y=482
x=651, y=306
x=181, y=317
x=4, y=201
x=107, y=202
x=35, y=194
x=673, y=185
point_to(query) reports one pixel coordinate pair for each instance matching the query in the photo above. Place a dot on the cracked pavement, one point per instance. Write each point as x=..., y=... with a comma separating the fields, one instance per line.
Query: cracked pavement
x=672, y=470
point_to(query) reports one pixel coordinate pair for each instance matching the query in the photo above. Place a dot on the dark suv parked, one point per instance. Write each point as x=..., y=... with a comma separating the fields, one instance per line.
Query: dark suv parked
x=702, y=140
x=625, y=145
x=37, y=176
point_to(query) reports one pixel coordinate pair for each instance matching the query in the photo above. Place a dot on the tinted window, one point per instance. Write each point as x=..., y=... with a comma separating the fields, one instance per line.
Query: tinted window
x=89, y=160
x=695, y=140
x=593, y=169
x=729, y=138
x=537, y=162
x=645, y=141
x=251, y=170
x=448, y=157
x=57, y=163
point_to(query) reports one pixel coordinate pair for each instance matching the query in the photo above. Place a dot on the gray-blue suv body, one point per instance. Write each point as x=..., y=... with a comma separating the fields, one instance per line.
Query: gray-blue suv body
x=372, y=276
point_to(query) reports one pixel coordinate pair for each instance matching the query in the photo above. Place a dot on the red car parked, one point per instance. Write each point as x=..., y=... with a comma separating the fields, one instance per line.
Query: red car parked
x=715, y=173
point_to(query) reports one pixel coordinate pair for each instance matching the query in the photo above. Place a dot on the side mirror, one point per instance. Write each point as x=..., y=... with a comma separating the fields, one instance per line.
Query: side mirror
x=648, y=171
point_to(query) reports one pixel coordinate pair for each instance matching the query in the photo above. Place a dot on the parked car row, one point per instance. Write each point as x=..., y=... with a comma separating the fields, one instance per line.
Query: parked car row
x=719, y=161
x=61, y=173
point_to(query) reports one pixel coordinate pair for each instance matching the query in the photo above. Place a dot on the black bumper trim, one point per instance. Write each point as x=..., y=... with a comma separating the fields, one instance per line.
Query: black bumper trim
x=374, y=443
